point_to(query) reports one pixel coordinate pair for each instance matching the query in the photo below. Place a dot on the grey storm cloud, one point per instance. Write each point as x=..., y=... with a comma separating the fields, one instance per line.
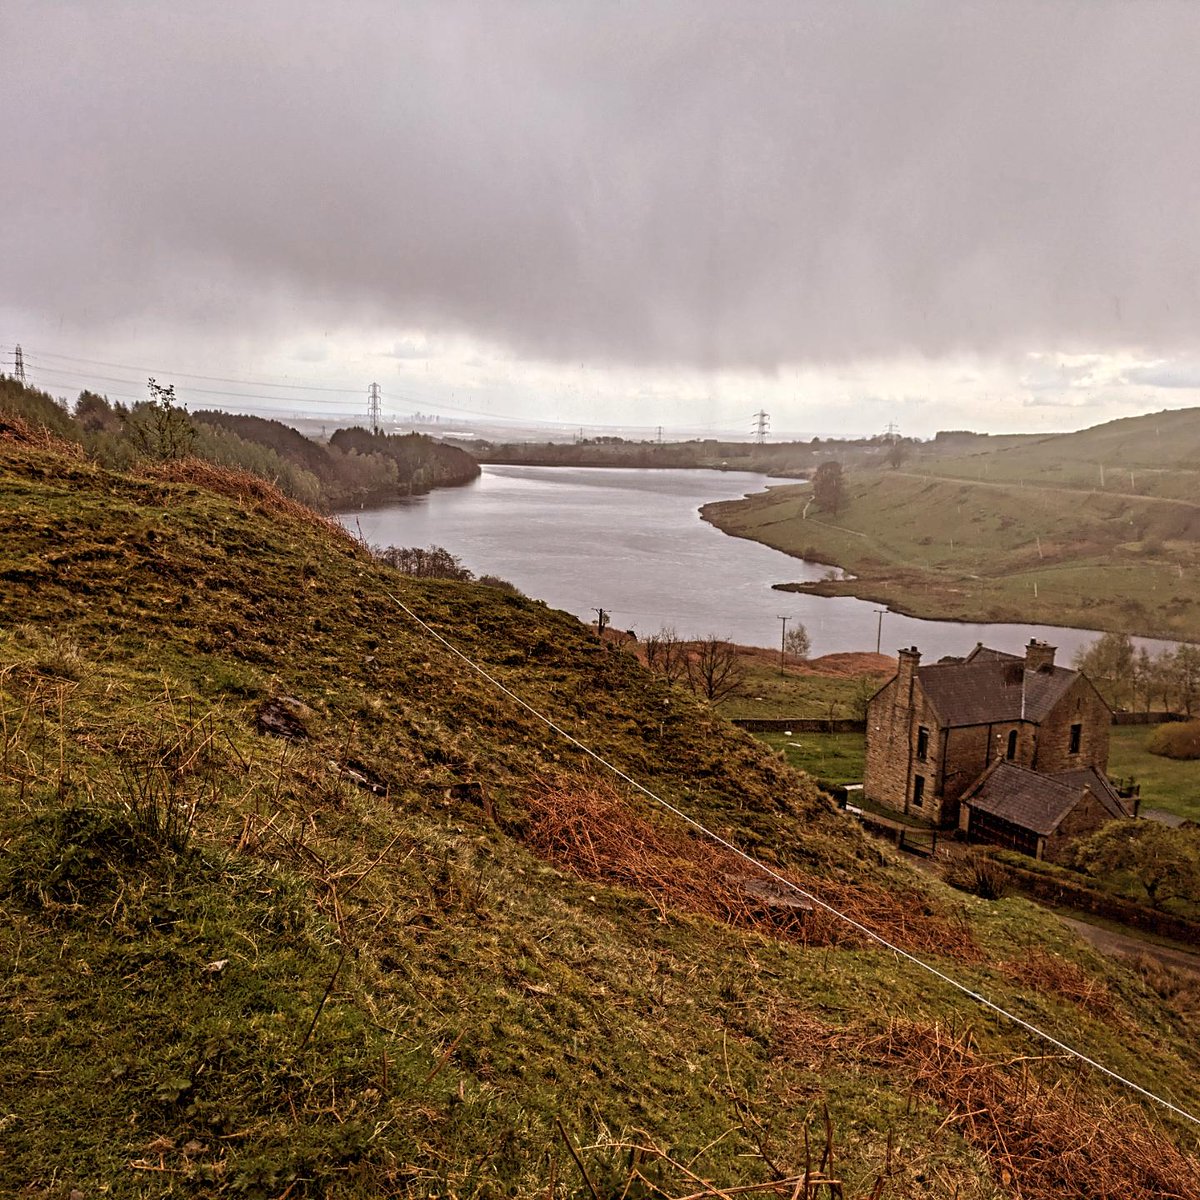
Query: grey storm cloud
x=703, y=184
x=1164, y=375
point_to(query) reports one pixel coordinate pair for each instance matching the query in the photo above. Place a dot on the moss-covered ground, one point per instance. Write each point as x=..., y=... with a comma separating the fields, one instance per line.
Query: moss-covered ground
x=335, y=966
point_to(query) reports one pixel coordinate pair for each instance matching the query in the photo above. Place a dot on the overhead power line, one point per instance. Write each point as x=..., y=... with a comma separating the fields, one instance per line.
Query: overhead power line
x=792, y=886
x=351, y=394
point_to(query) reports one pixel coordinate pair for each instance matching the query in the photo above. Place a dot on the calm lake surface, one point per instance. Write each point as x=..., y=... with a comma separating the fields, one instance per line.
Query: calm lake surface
x=632, y=542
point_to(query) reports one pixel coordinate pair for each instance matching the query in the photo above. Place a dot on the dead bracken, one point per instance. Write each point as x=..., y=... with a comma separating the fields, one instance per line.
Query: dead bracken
x=1046, y=1137
x=586, y=825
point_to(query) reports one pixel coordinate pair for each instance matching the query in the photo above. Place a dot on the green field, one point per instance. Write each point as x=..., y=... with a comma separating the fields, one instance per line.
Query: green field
x=1150, y=455
x=831, y=758
x=1021, y=534
x=1166, y=783
x=768, y=692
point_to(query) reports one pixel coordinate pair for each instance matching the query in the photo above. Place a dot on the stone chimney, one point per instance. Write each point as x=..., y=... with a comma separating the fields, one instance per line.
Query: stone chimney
x=910, y=659
x=1039, y=655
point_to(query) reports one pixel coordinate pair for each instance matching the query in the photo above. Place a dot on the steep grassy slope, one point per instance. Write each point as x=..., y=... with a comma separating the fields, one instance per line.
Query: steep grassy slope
x=427, y=949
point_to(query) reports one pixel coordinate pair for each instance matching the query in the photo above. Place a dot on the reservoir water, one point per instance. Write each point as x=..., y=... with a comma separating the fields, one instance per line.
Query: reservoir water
x=632, y=542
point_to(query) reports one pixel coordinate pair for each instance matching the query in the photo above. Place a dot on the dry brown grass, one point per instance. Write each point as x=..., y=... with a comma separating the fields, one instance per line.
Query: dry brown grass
x=1046, y=1138
x=247, y=489
x=16, y=429
x=1045, y=972
x=587, y=826
x=1178, y=987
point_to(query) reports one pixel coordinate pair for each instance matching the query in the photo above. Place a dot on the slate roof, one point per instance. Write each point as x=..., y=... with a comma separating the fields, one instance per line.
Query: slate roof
x=1023, y=797
x=992, y=687
x=983, y=653
x=1098, y=785
x=1039, y=802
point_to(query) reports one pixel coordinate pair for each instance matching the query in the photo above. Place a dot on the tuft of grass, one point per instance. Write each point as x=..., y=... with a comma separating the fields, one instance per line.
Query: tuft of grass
x=976, y=872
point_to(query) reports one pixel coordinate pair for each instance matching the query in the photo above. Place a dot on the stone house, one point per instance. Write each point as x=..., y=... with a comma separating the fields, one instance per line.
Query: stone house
x=935, y=731
x=1039, y=815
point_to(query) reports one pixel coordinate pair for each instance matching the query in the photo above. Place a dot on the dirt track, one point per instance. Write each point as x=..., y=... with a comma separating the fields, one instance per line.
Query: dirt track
x=1124, y=945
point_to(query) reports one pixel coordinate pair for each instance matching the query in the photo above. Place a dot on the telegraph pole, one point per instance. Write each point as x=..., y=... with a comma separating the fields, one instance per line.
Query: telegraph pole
x=19, y=366
x=879, y=629
x=601, y=620
x=373, y=407
x=783, y=643
x=762, y=422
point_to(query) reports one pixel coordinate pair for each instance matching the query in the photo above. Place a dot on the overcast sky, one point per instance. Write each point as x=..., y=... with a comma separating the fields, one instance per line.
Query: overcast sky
x=944, y=215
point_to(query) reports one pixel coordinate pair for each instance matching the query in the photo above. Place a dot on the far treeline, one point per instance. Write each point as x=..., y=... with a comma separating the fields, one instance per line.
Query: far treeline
x=780, y=459
x=356, y=466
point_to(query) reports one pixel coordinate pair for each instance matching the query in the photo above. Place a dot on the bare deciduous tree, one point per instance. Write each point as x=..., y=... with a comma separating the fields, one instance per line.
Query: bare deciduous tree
x=666, y=654
x=714, y=668
x=436, y=562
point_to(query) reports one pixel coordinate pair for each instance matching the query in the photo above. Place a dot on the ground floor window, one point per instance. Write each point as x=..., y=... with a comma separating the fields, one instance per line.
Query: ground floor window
x=919, y=791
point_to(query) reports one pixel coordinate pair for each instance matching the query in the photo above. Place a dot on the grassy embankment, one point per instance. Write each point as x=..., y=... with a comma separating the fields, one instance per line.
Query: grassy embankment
x=1019, y=534
x=389, y=957
x=835, y=686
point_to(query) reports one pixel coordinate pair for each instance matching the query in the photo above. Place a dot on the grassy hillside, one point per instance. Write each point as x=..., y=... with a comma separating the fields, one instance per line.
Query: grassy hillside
x=1153, y=455
x=424, y=948
x=1018, y=534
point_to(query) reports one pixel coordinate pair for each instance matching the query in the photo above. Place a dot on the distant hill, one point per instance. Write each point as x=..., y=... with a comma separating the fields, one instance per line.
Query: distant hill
x=356, y=466
x=294, y=901
x=1161, y=450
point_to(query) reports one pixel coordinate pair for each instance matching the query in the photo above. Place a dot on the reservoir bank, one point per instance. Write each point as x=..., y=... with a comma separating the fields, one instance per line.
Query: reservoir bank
x=631, y=541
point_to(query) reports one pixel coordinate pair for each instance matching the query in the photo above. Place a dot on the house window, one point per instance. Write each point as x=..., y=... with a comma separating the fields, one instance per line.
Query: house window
x=919, y=791
x=1011, y=752
x=922, y=743
x=1076, y=738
